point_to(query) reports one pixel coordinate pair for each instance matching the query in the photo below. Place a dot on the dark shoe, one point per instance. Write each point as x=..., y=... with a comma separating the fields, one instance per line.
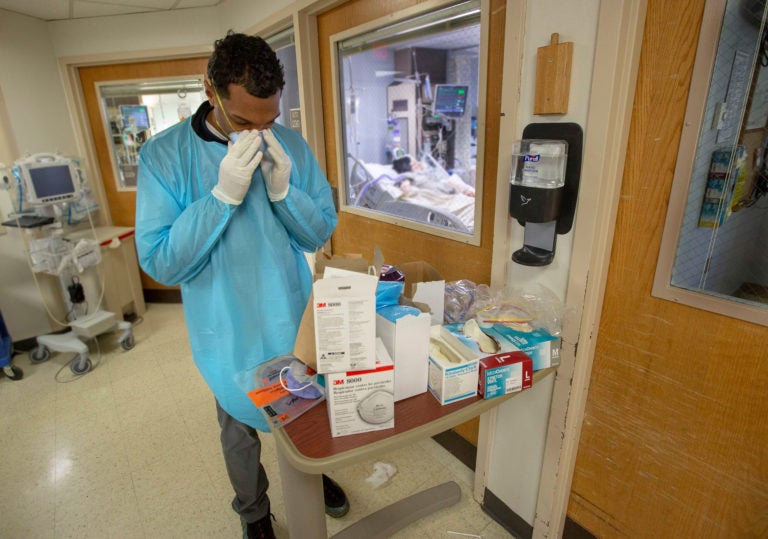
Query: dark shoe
x=336, y=503
x=261, y=529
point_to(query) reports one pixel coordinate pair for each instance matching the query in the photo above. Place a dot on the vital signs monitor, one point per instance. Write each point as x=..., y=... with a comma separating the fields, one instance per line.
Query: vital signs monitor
x=48, y=179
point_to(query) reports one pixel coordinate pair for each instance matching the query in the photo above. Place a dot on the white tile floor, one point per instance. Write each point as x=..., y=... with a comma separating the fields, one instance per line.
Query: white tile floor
x=131, y=450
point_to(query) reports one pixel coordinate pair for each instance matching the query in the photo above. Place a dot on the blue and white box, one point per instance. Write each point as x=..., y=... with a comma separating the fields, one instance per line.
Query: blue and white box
x=453, y=368
x=542, y=347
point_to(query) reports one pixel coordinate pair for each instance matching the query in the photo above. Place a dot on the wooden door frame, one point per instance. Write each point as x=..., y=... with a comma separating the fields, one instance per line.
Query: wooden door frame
x=84, y=138
x=612, y=94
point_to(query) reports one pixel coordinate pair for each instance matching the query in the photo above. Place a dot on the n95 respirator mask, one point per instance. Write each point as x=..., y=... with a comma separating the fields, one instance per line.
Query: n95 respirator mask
x=376, y=408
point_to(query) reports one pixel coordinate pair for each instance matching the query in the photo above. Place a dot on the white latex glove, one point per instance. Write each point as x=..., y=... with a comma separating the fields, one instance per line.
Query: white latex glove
x=276, y=168
x=237, y=168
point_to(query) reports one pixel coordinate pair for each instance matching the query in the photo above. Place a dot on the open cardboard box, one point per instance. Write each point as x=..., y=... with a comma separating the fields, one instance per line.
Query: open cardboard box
x=407, y=341
x=424, y=285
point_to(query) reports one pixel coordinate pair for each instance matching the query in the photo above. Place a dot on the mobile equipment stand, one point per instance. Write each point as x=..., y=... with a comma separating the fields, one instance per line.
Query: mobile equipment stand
x=83, y=328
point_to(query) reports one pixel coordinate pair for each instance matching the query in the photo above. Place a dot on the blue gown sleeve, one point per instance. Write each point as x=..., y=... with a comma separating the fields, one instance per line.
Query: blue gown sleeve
x=307, y=212
x=174, y=240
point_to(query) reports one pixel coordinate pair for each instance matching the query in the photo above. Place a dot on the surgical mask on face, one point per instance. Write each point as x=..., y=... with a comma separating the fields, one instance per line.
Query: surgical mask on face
x=234, y=135
x=377, y=408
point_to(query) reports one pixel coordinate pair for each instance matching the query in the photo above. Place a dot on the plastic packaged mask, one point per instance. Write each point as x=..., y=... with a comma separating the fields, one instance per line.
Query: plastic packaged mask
x=377, y=408
x=295, y=379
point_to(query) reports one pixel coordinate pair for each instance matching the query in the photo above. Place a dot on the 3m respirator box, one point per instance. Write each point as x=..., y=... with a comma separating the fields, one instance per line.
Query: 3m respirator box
x=344, y=305
x=505, y=373
x=362, y=401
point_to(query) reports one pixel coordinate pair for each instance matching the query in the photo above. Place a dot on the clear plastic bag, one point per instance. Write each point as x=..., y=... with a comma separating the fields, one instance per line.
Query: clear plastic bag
x=535, y=307
x=463, y=299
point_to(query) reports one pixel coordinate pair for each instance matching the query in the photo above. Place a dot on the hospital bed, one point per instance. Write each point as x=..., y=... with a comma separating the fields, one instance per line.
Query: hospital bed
x=428, y=195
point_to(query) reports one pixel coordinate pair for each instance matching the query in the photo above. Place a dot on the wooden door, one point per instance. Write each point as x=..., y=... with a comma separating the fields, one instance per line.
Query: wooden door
x=357, y=234
x=674, y=437
x=122, y=203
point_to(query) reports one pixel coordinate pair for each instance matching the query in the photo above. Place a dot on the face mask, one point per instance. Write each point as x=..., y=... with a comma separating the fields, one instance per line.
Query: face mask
x=295, y=379
x=378, y=407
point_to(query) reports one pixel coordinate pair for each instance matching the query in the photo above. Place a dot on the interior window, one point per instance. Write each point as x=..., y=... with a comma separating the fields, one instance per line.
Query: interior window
x=409, y=95
x=717, y=231
x=134, y=111
x=284, y=45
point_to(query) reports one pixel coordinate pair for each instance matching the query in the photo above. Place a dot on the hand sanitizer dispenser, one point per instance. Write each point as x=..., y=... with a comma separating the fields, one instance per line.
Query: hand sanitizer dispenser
x=543, y=188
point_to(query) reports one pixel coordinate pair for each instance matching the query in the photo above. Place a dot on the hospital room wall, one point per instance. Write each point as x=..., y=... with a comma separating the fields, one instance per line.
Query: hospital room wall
x=37, y=118
x=34, y=119
x=515, y=481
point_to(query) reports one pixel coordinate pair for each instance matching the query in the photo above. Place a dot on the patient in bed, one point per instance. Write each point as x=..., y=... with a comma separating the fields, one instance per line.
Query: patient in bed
x=449, y=193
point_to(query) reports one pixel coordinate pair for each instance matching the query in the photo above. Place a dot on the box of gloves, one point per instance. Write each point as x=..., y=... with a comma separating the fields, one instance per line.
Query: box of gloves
x=453, y=368
x=505, y=373
x=363, y=400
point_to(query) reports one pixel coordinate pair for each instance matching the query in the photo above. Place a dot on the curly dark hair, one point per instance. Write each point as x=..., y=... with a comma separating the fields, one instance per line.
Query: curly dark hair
x=245, y=60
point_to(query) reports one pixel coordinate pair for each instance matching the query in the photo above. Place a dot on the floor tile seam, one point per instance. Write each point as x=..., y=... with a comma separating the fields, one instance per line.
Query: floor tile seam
x=137, y=501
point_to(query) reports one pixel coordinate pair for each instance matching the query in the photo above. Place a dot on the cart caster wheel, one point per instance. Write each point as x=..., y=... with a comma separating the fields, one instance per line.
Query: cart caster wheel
x=79, y=367
x=39, y=354
x=128, y=342
x=13, y=372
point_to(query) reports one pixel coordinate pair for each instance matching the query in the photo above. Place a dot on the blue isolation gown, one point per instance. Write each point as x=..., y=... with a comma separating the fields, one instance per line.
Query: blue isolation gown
x=244, y=278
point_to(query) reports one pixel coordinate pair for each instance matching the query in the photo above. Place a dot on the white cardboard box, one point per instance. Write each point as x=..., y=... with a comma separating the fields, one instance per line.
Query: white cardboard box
x=362, y=401
x=407, y=341
x=423, y=284
x=451, y=381
x=345, y=322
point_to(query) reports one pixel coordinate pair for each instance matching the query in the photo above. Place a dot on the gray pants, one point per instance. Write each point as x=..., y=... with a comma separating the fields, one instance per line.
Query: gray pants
x=242, y=455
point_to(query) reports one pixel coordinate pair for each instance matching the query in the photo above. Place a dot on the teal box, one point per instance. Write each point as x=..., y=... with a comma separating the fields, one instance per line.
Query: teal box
x=543, y=348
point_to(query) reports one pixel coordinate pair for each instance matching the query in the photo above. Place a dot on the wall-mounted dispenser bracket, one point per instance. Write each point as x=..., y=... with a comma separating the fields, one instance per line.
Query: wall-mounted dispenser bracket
x=544, y=187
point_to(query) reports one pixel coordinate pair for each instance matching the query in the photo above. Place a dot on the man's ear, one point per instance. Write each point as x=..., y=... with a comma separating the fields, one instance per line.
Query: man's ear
x=209, y=92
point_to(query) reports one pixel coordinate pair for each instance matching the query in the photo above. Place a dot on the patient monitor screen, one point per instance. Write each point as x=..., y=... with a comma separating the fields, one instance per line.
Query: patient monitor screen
x=135, y=116
x=53, y=181
x=450, y=100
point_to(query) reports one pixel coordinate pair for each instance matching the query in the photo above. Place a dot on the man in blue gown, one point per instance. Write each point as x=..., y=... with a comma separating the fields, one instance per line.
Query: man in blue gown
x=228, y=202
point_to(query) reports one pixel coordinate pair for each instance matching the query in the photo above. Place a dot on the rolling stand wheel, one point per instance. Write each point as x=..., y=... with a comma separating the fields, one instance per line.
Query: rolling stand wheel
x=128, y=341
x=13, y=372
x=39, y=354
x=80, y=365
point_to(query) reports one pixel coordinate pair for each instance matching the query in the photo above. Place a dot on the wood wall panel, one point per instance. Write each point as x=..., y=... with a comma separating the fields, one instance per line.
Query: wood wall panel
x=674, y=441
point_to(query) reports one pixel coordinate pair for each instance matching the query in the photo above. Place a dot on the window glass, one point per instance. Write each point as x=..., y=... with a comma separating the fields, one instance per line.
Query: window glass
x=409, y=96
x=713, y=254
x=135, y=111
x=284, y=45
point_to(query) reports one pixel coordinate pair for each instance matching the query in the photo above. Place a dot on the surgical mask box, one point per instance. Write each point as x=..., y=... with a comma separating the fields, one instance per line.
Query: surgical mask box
x=407, y=342
x=505, y=373
x=424, y=284
x=542, y=347
x=344, y=304
x=362, y=401
x=453, y=368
